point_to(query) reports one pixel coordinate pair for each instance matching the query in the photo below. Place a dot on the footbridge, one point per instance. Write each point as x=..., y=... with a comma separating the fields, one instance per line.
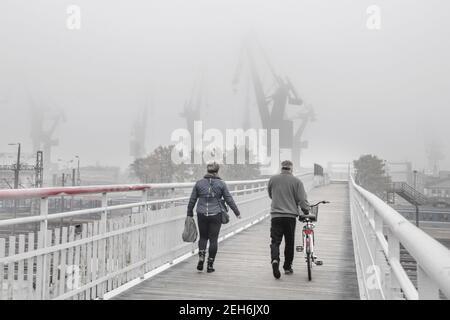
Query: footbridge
x=130, y=247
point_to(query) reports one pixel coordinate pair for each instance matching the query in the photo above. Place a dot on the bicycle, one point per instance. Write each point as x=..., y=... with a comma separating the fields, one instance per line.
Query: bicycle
x=308, y=237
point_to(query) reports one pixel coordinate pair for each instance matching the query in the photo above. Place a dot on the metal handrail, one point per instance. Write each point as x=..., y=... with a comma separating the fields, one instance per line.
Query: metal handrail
x=432, y=257
x=68, y=191
x=69, y=214
x=103, y=233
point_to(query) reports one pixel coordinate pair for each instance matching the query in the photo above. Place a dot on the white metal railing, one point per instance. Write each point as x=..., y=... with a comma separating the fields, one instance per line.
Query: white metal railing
x=65, y=263
x=378, y=231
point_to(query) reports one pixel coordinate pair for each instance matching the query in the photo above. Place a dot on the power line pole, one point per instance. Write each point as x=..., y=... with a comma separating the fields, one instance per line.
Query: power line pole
x=73, y=177
x=78, y=171
x=39, y=170
x=17, y=167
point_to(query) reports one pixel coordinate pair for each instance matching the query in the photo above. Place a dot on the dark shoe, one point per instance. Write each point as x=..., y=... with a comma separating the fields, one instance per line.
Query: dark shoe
x=288, y=270
x=275, y=269
x=209, y=266
x=201, y=260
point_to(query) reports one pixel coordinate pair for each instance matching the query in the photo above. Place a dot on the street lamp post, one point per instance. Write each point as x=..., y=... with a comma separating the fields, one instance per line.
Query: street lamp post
x=415, y=179
x=78, y=171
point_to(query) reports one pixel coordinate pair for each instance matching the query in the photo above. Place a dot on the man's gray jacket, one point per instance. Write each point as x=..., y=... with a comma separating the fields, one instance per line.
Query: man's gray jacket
x=288, y=194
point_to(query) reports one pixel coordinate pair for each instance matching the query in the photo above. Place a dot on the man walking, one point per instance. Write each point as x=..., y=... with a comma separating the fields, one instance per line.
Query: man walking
x=287, y=193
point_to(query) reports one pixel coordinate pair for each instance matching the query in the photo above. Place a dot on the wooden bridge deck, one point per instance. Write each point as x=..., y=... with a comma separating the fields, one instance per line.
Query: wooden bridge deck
x=243, y=268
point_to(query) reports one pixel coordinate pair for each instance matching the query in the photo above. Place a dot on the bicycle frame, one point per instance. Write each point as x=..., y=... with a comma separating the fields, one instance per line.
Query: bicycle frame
x=308, y=237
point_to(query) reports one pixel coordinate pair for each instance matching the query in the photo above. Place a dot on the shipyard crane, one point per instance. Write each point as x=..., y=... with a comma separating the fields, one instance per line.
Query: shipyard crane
x=193, y=106
x=139, y=133
x=272, y=101
x=44, y=121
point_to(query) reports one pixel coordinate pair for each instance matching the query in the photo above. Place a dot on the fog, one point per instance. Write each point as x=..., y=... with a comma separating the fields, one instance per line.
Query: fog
x=385, y=92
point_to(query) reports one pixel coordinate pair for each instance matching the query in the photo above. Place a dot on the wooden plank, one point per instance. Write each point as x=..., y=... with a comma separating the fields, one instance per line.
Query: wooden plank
x=76, y=264
x=109, y=263
x=22, y=289
x=48, y=258
x=147, y=242
x=120, y=251
x=63, y=263
x=39, y=259
x=124, y=252
x=55, y=264
x=133, y=246
x=95, y=257
x=142, y=235
x=102, y=253
x=11, y=268
x=30, y=268
x=2, y=268
x=70, y=258
x=89, y=261
x=83, y=261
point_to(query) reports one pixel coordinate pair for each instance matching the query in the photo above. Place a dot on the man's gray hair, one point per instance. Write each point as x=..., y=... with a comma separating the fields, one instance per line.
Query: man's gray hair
x=212, y=167
x=287, y=165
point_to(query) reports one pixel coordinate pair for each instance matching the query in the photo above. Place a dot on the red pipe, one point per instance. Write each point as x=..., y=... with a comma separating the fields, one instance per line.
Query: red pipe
x=62, y=191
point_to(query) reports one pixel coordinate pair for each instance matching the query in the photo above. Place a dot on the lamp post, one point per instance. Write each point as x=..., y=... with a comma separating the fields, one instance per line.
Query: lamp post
x=78, y=171
x=415, y=179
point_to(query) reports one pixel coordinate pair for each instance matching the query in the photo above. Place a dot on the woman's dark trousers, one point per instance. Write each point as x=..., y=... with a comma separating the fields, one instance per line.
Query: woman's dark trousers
x=209, y=227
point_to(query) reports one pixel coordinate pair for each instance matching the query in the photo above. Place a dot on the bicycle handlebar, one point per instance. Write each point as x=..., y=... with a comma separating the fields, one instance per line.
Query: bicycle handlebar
x=320, y=202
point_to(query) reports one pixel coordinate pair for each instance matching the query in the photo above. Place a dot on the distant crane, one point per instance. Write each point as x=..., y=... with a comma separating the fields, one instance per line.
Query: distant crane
x=139, y=133
x=44, y=121
x=435, y=155
x=193, y=106
x=272, y=102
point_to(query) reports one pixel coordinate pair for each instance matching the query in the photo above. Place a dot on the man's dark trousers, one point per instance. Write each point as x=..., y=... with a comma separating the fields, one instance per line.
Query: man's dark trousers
x=283, y=226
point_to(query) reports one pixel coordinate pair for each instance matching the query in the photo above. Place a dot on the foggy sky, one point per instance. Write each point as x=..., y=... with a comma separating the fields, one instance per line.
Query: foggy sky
x=383, y=92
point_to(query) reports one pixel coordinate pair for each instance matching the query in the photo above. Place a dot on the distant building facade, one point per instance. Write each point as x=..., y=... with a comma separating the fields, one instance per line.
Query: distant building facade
x=400, y=172
x=438, y=188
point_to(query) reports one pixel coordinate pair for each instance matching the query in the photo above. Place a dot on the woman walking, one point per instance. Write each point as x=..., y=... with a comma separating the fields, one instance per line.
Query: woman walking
x=209, y=191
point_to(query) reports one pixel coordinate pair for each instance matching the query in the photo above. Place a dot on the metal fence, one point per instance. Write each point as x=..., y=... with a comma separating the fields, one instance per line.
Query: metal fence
x=89, y=260
x=378, y=234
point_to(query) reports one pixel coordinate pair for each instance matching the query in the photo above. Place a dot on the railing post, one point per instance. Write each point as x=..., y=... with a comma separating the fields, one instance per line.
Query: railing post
x=377, y=249
x=43, y=230
x=371, y=227
x=144, y=216
x=144, y=199
x=427, y=289
x=378, y=224
x=103, y=230
x=394, y=254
